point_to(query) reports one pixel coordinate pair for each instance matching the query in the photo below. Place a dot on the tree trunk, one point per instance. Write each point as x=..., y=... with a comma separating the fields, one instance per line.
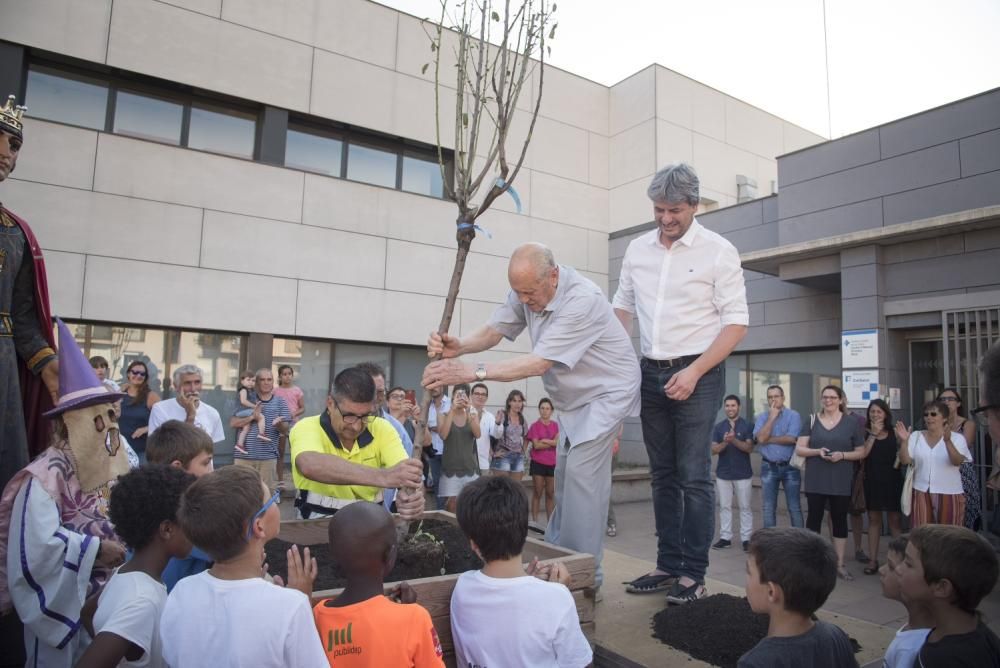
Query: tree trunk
x=464, y=235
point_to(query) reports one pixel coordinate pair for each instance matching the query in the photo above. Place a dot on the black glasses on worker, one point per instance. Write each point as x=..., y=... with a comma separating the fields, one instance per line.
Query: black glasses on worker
x=353, y=418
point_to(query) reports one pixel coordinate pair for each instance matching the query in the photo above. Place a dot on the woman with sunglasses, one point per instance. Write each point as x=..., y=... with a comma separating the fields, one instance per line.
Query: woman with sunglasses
x=134, y=420
x=970, y=478
x=831, y=444
x=936, y=453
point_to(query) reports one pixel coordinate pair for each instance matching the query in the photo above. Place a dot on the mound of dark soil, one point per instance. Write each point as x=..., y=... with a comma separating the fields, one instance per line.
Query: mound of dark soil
x=717, y=629
x=416, y=557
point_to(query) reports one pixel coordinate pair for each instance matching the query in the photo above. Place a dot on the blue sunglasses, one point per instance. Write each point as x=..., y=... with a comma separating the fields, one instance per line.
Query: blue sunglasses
x=260, y=512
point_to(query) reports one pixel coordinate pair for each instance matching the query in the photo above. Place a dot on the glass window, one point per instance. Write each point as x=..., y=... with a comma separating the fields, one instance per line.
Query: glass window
x=310, y=360
x=371, y=165
x=313, y=152
x=66, y=98
x=349, y=354
x=408, y=368
x=422, y=176
x=219, y=356
x=148, y=117
x=226, y=132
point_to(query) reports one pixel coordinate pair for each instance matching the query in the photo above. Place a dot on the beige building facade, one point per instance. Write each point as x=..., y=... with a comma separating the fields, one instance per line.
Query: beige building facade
x=233, y=227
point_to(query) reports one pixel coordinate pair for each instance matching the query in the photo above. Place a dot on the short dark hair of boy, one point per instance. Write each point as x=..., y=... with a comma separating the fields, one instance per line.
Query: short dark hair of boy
x=216, y=509
x=98, y=362
x=143, y=499
x=732, y=397
x=801, y=562
x=493, y=513
x=353, y=384
x=960, y=556
x=481, y=385
x=177, y=441
x=898, y=545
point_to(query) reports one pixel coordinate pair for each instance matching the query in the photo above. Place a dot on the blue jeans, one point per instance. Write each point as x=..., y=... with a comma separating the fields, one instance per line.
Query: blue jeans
x=678, y=437
x=772, y=475
x=509, y=461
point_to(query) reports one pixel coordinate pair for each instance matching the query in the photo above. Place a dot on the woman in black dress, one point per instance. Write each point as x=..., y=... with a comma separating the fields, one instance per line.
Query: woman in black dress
x=883, y=480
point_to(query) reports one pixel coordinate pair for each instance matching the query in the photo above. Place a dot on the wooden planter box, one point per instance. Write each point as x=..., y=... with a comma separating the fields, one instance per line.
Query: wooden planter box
x=434, y=593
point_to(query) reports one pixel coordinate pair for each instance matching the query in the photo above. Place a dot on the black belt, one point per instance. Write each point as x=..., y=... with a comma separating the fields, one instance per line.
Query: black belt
x=671, y=363
x=784, y=463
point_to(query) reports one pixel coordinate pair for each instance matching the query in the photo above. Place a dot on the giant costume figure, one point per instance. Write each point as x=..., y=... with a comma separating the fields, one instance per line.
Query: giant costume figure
x=27, y=354
x=57, y=545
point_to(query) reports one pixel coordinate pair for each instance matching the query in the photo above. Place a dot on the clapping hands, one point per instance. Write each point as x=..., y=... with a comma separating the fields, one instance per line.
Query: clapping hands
x=902, y=432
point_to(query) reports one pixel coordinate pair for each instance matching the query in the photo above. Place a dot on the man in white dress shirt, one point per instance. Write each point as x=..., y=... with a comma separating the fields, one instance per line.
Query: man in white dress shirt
x=684, y=284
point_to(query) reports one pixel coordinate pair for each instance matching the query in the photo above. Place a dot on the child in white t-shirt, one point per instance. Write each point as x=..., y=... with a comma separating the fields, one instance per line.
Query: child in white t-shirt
x=143, y=508
x=501, y=616
x=230, y=615
x=903, y=650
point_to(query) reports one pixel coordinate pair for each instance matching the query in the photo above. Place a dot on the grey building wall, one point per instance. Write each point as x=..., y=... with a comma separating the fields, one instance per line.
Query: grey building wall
x=942, y=161
x=937, y=162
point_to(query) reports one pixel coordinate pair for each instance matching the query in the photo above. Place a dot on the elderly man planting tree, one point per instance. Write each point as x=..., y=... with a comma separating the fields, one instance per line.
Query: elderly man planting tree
x=588, y=367
x=349, y=454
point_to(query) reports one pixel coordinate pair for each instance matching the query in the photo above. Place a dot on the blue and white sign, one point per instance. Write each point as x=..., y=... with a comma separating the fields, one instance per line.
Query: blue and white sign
x=860, y=386
x=859, y=349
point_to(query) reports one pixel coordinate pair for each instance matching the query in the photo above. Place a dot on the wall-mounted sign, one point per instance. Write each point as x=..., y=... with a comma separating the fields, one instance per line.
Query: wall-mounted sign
x=860, y=386
x=895, y=402
x=859, y=349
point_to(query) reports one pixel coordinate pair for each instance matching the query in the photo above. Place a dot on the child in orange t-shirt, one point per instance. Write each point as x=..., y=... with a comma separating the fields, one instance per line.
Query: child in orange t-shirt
x=361, y=627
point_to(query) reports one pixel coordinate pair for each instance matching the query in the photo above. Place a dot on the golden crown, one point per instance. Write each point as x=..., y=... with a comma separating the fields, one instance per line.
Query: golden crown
x=10, y=116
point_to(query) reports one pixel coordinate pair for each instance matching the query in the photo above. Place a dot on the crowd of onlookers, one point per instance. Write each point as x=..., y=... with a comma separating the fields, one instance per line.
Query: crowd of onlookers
x=849, y=465
x=175, y=604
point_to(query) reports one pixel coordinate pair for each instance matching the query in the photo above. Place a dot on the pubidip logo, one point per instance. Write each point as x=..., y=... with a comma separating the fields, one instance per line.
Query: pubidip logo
x=340, y=643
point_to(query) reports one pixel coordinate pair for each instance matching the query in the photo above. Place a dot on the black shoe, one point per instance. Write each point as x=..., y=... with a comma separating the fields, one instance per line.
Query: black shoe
x=722, y=544
x=679, y=594
x=746, y=546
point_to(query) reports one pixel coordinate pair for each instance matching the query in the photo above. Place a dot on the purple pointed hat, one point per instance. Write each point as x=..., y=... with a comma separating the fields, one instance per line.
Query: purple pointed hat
x=79, y=386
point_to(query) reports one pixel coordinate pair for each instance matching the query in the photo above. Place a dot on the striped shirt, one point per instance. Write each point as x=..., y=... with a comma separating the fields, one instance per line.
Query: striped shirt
x=256, y=448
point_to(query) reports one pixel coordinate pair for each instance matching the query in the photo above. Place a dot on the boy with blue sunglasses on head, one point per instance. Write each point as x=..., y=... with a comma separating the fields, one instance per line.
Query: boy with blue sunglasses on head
x=214, y=618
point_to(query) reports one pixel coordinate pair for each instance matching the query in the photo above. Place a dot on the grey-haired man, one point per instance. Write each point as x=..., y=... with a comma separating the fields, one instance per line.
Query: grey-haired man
x=187, y=406
x=684, y=284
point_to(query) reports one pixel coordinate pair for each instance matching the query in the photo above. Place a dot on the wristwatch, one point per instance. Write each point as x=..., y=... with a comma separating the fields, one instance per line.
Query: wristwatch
x=481, y=371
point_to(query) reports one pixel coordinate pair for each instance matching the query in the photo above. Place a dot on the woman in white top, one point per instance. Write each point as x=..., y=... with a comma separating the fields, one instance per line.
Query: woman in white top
x=970, y=477
x=936, y=454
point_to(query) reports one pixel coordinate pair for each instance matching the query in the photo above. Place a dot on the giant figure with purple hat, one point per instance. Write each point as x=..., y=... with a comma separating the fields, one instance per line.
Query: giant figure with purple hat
x=57, y=545
x=29, y=369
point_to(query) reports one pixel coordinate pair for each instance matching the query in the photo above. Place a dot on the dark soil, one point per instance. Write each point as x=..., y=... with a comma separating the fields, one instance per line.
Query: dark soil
x=416, y=558
x=717, y=629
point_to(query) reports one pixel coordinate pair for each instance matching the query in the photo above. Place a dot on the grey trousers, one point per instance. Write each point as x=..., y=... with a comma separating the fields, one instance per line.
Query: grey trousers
x=583, y=489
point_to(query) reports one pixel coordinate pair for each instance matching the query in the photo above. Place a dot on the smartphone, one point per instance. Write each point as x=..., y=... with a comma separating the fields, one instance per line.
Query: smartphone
x=411, y=396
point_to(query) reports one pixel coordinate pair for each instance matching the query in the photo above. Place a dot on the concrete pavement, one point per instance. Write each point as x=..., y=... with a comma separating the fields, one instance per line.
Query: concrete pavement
x=623, y=620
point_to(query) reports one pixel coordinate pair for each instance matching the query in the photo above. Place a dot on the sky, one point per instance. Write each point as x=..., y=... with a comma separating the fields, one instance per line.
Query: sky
x=886, y=59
